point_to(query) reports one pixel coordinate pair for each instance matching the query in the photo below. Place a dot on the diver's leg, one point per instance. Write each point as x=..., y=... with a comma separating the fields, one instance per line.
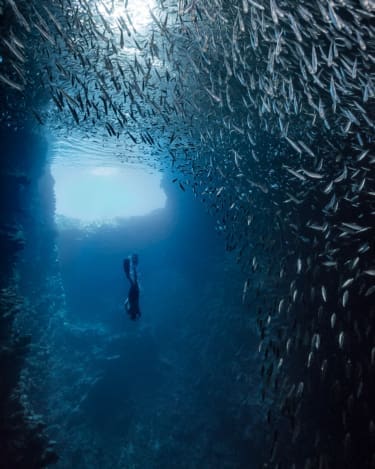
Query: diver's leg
x=126, y=266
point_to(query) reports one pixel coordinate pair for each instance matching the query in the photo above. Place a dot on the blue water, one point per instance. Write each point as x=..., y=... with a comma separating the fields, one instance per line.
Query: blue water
x=162, y=391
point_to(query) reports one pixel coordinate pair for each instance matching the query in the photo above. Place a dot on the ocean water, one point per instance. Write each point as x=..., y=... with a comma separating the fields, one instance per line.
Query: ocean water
x=162, y=391
x=230, y=146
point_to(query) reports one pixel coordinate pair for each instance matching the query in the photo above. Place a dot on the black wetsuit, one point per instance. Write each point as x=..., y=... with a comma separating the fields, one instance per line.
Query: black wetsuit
x=132, y=301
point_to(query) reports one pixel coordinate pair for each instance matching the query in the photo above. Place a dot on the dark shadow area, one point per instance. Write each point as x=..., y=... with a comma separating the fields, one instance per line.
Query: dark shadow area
x=23, y=439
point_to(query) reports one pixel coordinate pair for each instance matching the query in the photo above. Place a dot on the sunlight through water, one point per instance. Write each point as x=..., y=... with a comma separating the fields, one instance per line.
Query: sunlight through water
x=93, y=192
x=137, y=10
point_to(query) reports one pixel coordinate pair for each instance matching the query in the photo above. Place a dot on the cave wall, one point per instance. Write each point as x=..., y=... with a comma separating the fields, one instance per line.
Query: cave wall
x=26, y=232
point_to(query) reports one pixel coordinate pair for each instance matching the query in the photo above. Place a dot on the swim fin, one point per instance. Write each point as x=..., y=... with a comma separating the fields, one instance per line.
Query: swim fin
x=127, y=267
x=135, y=259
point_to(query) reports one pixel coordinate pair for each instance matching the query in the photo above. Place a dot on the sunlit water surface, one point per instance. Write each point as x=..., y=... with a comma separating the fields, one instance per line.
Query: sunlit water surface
x=94, y=187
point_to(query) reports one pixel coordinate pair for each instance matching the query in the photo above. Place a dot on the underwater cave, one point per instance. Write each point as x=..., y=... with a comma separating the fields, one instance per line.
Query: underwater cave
x=187, y=215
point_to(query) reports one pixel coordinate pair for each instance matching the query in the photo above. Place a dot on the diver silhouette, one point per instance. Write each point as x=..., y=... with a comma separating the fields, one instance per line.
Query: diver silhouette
x=132, y=302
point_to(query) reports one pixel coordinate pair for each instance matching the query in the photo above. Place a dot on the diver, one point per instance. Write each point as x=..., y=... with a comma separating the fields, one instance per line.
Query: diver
x=132, y=302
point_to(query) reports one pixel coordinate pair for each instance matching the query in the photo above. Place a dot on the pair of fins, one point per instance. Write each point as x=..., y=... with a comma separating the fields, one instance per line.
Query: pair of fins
x=134, y=260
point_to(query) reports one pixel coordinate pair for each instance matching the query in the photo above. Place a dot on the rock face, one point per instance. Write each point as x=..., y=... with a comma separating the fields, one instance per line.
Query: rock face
x=23, y=443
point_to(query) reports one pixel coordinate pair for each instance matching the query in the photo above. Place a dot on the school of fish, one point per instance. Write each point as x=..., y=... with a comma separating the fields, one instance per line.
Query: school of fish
x=265, y=109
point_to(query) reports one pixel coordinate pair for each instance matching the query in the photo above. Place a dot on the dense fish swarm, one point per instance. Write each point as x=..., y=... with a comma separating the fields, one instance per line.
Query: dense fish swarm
x=266, y=109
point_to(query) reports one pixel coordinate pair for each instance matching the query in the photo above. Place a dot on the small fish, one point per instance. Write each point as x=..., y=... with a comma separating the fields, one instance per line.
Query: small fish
x=333, y=320
x=11, y=83
x=19, y=55
x=300, y=389
x=214, y=96
x=312, y=175
x=245, y=288
x=342, y=176
x=294, y=145
x=324, y=293
x=21, y=19
x=355, y=227
x=306, y=148
x=219, y=191
x=256, y=5
x=310, y=359
x=345, y=298
x=363, y=155
x=315, y=341
x=336, y=20
x=314, y=60
x=45, y=34
x=328, y=188
x=122, y=43
x=341, y=339
x=295, y=173
x=73, y=112
x=347, y=282
x=370, y=272
x=132, y=137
